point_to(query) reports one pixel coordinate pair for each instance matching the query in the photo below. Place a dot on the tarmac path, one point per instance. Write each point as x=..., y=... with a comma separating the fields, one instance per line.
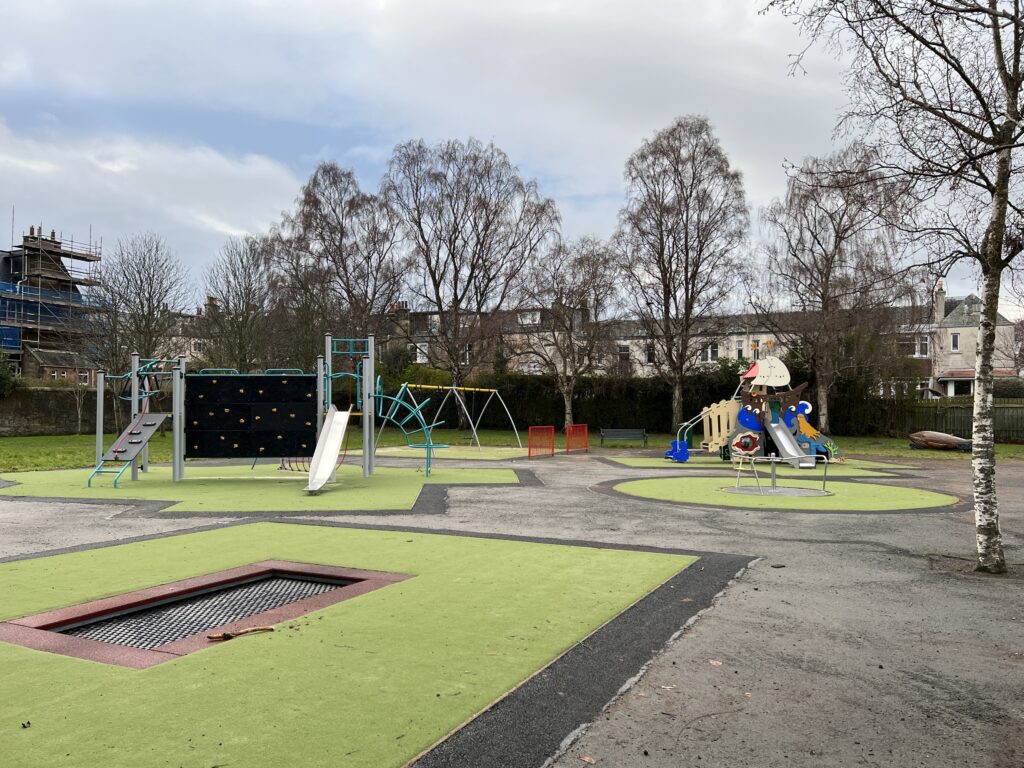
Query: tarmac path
x=856, y=639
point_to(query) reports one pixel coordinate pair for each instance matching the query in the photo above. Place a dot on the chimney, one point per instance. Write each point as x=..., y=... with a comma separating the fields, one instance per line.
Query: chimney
x=939, y=302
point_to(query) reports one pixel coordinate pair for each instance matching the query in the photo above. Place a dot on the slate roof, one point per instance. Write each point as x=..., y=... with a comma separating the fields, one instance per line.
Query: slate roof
x=53, y=358
x=964, y=312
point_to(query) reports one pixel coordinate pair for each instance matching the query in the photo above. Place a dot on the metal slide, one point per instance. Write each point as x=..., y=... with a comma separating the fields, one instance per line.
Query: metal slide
x=328, y=446
x=788, y=447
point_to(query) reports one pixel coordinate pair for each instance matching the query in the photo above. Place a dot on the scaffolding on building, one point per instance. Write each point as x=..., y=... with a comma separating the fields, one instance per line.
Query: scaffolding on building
x=44, y=295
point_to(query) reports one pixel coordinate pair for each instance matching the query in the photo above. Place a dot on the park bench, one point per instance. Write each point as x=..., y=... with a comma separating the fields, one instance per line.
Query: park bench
x=624, y=434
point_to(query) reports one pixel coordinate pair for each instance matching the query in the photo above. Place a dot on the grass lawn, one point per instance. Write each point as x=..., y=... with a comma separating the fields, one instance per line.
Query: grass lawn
x=266, y=488
x=900, y=447
x=370, y=681
x=858, y=497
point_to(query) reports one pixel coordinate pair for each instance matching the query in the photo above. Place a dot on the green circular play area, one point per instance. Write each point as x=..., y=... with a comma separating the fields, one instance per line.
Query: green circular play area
x=846, y=496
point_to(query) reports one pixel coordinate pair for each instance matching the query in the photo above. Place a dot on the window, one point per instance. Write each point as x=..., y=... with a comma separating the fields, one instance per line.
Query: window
x=63, y=373
x=420, y=353
x=531, y=317
x=922, y=346
x=623, y=350
x=434, y=323
x=53, y=374
x=649, y=354
x=467, y=351
x=83, y=377
x=954, y=342
x=739, y=349
x=755, y=350
x=709, y=352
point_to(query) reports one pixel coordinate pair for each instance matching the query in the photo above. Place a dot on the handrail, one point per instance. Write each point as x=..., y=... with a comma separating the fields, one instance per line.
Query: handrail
x=739, y=458
x=223, y=371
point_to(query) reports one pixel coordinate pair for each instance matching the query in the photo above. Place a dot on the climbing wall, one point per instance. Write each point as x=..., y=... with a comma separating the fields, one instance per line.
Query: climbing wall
x=249, y=416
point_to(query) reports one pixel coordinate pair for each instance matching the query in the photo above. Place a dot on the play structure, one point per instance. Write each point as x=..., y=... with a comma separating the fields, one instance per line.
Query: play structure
x=285, y=414
x=458, y=395
x=130, y=449
x=540, y=441
x=765, y=418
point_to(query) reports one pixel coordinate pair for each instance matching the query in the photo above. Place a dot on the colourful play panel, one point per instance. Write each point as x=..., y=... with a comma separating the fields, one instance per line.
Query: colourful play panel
x=846, y=496
x=372, y=681
x=237, y=488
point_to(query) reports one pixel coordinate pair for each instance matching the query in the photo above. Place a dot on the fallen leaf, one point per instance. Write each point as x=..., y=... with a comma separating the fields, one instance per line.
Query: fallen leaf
x=667, y=687
x=714, y=663
x=748, y=695
x=587, y=759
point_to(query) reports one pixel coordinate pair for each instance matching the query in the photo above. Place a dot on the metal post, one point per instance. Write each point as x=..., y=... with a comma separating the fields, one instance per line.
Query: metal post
x=369, y=380
x=178, y=421
x=101, y=381
x=774, y=465
x=135, y=405
x=319, y=394
x=145, y=449
x=328, y=393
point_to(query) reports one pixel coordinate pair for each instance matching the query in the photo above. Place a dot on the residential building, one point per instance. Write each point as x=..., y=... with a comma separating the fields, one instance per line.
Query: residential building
x=950, y=343
x=942, y=339
x=42, y=305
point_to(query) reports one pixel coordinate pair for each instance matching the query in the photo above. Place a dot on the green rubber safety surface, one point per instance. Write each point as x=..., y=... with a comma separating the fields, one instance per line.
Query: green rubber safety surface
x=371, y=681
x=463, y=452
x=846, y=496
x=847, y=468
x=237, y=488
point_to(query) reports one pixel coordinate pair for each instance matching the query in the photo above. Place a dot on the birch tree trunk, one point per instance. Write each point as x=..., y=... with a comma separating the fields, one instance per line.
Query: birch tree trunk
x=823, y=385
x=986, y=504
x=567, y=392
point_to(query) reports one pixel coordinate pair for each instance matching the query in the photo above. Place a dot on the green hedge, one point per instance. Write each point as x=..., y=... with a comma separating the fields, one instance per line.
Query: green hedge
x=600, y=401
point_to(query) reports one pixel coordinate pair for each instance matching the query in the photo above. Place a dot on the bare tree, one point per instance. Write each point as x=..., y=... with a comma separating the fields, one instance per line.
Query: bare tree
x=304, y=305
x=236, y=325
x=568, y=294
x=143, y=289
x=937, y=83
x=472, y=224
x=832, y=277
x=356, y=236
x=679, y=237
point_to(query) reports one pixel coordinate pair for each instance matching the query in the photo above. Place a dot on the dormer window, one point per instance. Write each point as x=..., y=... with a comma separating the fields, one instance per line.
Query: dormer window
x=530, y=317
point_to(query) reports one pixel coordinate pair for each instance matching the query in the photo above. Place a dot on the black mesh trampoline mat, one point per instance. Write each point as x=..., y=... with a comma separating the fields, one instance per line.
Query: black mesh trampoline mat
x=152, y=626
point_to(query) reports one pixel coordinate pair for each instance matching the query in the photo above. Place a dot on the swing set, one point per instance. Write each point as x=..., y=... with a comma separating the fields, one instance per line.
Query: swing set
x=456, y=393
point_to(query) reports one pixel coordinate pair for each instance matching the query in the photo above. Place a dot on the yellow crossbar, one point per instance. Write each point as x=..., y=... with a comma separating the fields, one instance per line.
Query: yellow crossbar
x=437, y=388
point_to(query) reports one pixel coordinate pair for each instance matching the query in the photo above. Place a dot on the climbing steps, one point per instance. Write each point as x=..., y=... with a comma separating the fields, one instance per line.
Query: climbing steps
x=128, y=445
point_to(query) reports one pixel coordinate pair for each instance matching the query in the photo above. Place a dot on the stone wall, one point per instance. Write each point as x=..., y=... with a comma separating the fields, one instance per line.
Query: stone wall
x=51, y=411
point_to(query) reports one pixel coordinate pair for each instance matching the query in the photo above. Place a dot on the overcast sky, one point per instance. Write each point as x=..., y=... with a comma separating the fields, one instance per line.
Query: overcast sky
x=200, y=120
